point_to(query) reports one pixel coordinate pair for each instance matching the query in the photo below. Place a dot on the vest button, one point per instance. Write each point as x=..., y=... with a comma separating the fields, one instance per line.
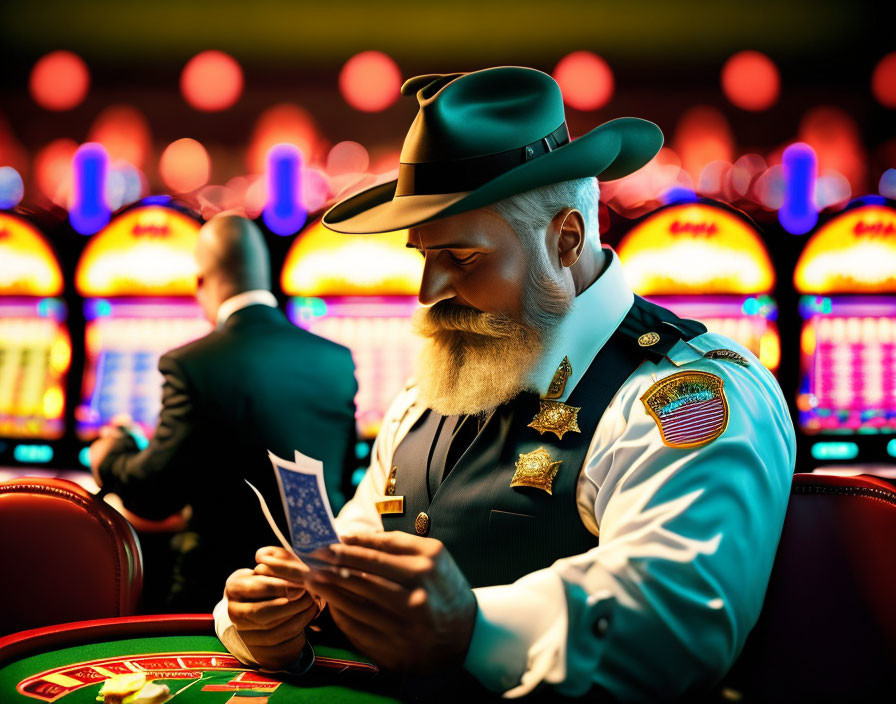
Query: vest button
x=421, y=523
x=601, y=626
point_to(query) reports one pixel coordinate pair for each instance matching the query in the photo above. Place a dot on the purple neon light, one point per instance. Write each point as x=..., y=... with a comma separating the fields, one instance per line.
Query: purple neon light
x=284, y=213
x=798, y=214
x=89, y=212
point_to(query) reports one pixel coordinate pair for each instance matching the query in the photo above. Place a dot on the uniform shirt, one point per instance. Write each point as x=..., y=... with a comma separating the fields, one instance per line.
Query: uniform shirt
x=256, y=296
x=687, y=536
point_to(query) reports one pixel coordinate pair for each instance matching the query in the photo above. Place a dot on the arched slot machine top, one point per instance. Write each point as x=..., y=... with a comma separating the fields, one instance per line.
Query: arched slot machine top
x=138, y=277
x=707, y=261
x=847, y=394
x=35, y=346
x=359, y=291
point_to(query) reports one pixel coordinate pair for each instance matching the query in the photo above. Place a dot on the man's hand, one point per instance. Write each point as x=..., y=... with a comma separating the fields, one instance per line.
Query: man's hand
x=400, y=598
x=270, y=613
x=99, y=448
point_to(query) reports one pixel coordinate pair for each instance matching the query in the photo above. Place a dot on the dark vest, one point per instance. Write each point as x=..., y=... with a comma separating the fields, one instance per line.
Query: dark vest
x=497, y=533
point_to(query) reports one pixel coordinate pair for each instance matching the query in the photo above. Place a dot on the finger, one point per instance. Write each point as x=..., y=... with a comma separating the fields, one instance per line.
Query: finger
x=395, y=542
x=364, y=637
x=406, y=570
x=362, y=610
x=277, y=656
x=268, y=614
x=281, y=632
x=282, y=563
x=245, y=585
x=387, y=594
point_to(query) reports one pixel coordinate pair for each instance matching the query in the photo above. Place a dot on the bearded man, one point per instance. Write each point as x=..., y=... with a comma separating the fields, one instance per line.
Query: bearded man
x=581, y=492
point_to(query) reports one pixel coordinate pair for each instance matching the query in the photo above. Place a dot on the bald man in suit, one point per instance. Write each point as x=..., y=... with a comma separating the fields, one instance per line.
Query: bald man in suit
x=255, y=383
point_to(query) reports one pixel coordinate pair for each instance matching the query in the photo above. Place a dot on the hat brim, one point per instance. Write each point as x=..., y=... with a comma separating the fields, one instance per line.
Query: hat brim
x=609, y=151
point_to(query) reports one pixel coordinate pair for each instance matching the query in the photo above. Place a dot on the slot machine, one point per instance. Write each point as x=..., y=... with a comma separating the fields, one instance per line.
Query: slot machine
x=707, y=262
x=846, y=401
x=359, y=291
x=137, y=277
x=35, y=347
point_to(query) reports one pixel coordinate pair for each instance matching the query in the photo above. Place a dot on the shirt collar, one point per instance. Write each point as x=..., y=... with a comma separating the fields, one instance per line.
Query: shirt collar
x=593, y=317
x=244, y=300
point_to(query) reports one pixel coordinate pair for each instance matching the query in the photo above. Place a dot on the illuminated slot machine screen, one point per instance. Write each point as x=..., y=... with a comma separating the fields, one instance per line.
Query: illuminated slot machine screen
x=35, y=347
x=138, y=277
x=359, y=291
x=707, y=262
x=847, y=390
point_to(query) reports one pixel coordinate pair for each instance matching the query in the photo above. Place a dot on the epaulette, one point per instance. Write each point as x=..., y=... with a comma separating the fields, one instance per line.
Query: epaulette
x=653, y=330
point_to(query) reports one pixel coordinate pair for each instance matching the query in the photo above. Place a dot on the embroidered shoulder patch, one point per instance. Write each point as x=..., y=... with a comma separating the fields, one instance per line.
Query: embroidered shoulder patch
x=689, y=408
x=728, y=355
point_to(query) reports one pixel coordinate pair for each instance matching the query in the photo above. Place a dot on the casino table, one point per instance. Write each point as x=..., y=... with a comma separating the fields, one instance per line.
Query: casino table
x=68, y=664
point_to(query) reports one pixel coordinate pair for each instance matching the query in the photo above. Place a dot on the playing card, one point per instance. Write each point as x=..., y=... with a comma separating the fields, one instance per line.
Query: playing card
x=305, y=502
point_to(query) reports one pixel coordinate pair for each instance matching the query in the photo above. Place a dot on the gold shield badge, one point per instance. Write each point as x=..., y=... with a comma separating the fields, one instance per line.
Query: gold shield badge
x=690, y=408
x=536, y=470
x=557, y=418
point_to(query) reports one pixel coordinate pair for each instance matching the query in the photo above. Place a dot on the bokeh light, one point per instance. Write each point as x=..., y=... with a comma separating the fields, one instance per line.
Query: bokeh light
x=832, y=190
x=185, y=165
x=834, y=136
x=747, y=169
x=53, y=170
x=751, y=81
x=124, y=133
x=281, y=124
x=585, y=80
x=59, y=80
x=887, y=184
x=798, y=213
x=89, y=210
x=638, y=192
x=370, y=81
x=347, y=158
x=702, y=136
x=284, y=212
x=883, y=81
x=12, y=189
x=211, y=81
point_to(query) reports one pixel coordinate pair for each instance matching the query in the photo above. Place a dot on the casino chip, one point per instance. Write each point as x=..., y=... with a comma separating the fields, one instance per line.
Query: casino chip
x=133, y=688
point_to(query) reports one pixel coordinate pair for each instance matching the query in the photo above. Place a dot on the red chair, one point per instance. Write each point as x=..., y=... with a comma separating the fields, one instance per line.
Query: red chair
x=65, y=555
x=827, y=631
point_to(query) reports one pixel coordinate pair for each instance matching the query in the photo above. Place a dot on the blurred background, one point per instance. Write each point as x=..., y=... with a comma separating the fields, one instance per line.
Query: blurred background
x=123, y=125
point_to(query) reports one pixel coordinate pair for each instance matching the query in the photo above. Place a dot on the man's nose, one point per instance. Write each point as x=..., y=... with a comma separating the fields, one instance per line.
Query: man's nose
x=436, y=283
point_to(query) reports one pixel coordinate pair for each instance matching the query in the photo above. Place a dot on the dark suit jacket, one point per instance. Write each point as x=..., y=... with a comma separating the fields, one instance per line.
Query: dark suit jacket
x=255, y=384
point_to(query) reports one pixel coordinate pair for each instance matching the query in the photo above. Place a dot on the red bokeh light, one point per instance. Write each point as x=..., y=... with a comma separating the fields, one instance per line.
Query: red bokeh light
x=53, y=170
x=751, y=81
x=883, y=81
x=701, y=137
x=835, y=137
x=284, y=123
x=347, y=158
x=585, y=80
x=59, y=80
x=370, y=81
x=185, y=165
x=211, y=81
x=124, y=133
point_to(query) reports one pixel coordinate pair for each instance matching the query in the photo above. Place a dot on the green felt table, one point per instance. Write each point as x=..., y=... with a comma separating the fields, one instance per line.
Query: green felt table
x=196, y=668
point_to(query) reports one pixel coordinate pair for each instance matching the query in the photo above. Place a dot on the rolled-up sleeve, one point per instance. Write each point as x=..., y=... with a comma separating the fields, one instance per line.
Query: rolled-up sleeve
x=687, y=541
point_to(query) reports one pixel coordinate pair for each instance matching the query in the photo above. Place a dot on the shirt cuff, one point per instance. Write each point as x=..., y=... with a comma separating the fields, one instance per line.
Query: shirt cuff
x=519, y=638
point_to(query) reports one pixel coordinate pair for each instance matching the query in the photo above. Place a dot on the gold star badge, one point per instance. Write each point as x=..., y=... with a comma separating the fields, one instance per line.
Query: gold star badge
x=557, y=418
x=535, y=469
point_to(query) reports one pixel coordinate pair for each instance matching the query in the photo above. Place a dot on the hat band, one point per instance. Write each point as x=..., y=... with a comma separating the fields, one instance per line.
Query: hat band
x=433, y=177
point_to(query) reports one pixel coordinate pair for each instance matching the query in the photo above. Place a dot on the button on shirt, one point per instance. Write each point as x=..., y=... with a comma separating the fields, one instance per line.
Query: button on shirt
x=687, y=535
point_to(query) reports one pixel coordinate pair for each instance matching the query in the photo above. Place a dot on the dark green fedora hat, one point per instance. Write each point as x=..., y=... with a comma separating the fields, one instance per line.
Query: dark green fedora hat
x=484, y=136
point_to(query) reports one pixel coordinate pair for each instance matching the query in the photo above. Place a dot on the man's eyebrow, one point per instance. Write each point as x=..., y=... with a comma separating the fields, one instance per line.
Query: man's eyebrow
x=459, y=245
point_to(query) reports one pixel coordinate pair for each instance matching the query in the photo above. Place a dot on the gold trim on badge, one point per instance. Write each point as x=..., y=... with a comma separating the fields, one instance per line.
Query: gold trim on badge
x=679, y=388
x=536, y=470
x=558, y=383
x=648, y=339
x=557, y=418
x=390, y=505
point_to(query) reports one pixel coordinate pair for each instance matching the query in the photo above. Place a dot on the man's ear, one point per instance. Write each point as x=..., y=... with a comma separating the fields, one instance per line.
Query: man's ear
x=569, y=226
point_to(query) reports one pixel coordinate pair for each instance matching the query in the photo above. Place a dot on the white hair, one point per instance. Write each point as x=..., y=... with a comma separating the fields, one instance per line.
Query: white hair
x=529, y=213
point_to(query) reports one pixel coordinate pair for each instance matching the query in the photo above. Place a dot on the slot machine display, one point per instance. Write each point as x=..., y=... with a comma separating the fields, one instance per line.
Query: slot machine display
x=137, y=277
x=35, y=346
x=359, y=291
x=707, y=262
x=846, y=401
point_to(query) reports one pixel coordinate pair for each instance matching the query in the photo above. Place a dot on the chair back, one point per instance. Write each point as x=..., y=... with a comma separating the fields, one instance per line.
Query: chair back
x=65, y=556
x=827, y=630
